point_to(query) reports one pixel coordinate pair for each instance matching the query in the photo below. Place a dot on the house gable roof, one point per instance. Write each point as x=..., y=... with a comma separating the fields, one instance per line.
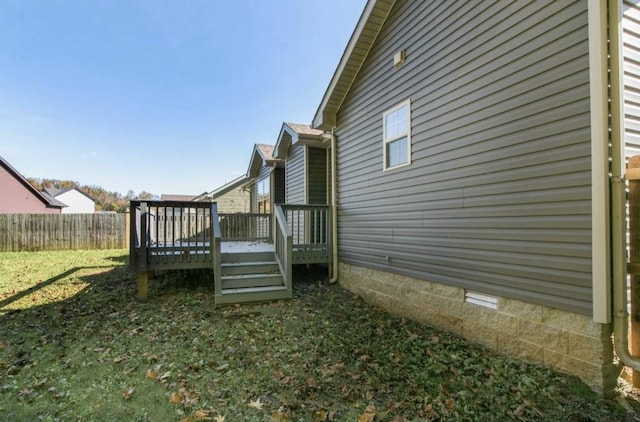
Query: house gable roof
x=174, y=197
x=369, y=25
x=262, y=154
x=226, y=188
x=292, y=133
x=47, y=200
x=56, y=192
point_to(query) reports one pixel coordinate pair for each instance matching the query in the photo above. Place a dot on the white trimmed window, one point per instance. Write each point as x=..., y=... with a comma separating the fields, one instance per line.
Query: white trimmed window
x=396, y=126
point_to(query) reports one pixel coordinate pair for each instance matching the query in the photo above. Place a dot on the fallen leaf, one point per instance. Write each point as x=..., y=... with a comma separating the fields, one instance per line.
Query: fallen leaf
x=368, y=415
x=127, y=394
x=151, y=374
x=281, y=415
x=190, y=398
x=255, y=404
x=320, y=415
x=219, y=418
x=223, y=367
x=202, y=415
x=119, y=359
x=175, y=398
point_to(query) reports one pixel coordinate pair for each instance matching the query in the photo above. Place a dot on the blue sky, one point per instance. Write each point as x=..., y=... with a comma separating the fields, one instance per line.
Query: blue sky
x=162, y=96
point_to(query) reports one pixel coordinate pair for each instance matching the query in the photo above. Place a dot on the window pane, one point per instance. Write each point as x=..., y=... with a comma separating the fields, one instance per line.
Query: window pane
x=402, y=150
x=390, y=125
x=392, y=154
x=402, y=119
x=396, y=123
x=262, y=187
x=397, y=152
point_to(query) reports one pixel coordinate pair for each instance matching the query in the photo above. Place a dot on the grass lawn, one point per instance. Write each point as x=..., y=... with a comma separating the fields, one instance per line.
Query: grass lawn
x=76, y=344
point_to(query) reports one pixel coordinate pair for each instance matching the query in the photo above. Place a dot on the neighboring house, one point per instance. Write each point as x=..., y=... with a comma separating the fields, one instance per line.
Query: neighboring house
x=305, y=156
x=173, y=197
x=266, y=179
x=232, y=197
x=76, y=201
x=473, y=160
x=18, y=196
x=166, y=215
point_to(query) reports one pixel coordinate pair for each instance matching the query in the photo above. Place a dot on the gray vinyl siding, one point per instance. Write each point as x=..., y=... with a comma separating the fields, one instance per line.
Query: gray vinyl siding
x=497, y=198
x=295, y=172
x=317, y=176
x=631, y=67
x=295, y=175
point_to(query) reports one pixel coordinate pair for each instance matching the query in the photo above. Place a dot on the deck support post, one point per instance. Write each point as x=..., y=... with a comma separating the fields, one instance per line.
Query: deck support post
x=633, y=175
x=143, y=285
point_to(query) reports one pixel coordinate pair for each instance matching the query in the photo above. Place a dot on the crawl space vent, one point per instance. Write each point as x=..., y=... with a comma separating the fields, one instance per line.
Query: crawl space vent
x=481, y=299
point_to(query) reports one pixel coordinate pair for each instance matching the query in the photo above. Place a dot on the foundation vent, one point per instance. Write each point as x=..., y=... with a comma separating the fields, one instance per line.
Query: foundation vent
x=481, y=299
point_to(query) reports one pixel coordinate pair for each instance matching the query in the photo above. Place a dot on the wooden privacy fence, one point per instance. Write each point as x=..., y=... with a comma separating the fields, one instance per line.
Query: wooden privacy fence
x=55, y=232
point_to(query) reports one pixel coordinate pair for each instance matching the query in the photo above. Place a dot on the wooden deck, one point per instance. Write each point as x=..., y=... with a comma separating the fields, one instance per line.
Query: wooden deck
x=168, y=235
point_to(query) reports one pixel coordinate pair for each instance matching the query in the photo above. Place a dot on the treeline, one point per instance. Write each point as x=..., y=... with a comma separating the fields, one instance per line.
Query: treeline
x=105, y=200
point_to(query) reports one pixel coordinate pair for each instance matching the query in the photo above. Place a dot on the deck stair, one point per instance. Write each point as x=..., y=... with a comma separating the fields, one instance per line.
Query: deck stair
x=250, y=277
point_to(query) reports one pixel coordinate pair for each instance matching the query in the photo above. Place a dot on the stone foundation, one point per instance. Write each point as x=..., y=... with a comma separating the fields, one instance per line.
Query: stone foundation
x=569, y=342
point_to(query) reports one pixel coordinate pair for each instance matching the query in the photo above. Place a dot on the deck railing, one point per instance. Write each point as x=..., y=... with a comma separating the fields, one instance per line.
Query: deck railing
x=310, y=227
x=283, y=245
x=171, y=234
x=247, y=227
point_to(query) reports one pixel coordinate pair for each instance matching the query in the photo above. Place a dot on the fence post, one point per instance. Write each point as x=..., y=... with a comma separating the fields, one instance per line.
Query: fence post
x=127, y=230
x=633, y=176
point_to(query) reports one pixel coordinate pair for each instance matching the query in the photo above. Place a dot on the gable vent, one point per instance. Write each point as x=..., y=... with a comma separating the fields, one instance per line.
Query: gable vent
x=481, y=299
x=399, y=58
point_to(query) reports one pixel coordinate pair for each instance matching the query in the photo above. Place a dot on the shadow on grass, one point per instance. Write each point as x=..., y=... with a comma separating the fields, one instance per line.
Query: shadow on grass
x=122, y=259
x=69, y=341
x=13, y=298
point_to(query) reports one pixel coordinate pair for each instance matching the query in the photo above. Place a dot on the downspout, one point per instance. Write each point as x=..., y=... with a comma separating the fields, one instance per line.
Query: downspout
x=334, y=206
x=618, y=195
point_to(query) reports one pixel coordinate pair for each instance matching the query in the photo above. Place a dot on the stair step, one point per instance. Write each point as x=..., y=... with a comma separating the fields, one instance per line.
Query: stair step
x=251, y=280
x=237, y=257
x=254, y=289
x=253, y=294
x=260, y=267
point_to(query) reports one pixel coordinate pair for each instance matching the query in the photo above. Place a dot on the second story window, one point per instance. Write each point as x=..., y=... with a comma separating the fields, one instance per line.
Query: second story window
x=397, y=136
